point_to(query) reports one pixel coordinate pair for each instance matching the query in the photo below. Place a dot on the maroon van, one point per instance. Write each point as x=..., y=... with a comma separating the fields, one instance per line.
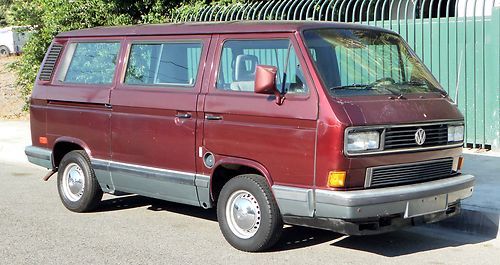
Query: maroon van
x=327, y=125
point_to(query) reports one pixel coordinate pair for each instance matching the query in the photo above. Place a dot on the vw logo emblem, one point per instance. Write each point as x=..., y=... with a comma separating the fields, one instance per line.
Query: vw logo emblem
x=420, y=136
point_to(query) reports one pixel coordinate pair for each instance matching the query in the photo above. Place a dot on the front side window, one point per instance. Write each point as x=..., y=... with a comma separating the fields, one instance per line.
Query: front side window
x=367, y=62
x=163, y=64
x=90, y=63
x=240, y=57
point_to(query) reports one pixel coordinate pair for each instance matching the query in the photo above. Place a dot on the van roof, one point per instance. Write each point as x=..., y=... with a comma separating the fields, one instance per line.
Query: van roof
x=209, y=28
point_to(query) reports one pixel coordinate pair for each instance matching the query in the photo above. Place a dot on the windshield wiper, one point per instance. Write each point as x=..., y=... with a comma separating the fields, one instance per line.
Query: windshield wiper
x=365, y=86
x=422, y=83
x=413, y=83
x=371, y=87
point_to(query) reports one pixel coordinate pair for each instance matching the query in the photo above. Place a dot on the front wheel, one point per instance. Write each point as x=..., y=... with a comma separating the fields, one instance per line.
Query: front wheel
x=248, y=214
x=77, y=184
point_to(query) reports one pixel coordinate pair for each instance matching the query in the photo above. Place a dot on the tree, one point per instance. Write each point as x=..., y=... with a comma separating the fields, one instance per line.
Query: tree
x=4, y=7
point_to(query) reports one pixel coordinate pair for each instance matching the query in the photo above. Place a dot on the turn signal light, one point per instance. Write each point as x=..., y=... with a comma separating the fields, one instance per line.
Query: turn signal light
x=43, y=140
x=460, y=163
x=336, y=179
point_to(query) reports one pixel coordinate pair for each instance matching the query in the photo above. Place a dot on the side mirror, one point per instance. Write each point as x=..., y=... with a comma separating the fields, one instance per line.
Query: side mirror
x=265, y=82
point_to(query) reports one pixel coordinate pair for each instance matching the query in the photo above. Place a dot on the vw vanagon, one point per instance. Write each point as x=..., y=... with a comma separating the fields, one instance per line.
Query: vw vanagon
x=327, y=125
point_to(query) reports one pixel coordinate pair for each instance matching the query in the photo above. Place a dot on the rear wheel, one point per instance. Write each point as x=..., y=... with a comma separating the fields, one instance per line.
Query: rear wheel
x=77, y=184
x=248, y=215
x=4, y=51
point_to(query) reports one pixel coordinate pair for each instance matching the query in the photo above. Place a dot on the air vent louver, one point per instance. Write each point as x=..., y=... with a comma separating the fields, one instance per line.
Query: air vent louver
x=404, y=174
x=50, y=62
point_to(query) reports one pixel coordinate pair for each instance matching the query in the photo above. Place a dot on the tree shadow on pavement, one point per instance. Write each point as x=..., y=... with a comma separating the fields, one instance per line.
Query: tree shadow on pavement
x=136, y=201
x=123, y=203
x=198, y=212
x=294, y=237
x=399, y=243
x=408, y=241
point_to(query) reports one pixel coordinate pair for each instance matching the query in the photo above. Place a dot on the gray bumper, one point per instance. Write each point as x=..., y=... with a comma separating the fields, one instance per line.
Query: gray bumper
x=415, y=199
x=39, y=156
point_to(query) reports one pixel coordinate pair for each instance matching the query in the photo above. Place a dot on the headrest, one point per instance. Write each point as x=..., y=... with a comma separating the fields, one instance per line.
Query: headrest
x=245, y=67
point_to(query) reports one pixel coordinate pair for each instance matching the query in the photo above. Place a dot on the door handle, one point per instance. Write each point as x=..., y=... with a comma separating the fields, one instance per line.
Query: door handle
x=183, y=115
x=213, y=117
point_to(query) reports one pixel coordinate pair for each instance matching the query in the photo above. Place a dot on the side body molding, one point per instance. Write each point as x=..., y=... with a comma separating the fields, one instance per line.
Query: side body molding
x=170, y=185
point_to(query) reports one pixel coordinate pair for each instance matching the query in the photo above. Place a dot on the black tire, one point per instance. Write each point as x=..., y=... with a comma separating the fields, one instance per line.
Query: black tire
x=4, y=51
x=90, y=193
x=267, y=227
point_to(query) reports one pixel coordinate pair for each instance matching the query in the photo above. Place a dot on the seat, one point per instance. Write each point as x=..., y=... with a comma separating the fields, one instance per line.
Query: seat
x=244, y=73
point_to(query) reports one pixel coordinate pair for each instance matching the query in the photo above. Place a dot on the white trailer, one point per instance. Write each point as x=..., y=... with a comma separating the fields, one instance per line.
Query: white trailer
x=12, y=40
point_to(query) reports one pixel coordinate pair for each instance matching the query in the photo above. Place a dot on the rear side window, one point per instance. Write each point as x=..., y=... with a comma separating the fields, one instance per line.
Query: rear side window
x=163, y=63
x=240, y=57
x=90, y=63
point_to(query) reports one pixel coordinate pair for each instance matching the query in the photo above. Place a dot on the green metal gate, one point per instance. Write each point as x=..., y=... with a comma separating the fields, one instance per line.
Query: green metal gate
x=458, y=40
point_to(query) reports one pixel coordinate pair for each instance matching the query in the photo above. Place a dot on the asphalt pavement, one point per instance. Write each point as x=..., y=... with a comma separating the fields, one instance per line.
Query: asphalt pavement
x=36, y=229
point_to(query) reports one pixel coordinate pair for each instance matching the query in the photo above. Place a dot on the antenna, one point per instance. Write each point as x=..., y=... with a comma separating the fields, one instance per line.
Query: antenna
x=283, y=83
x=455, y=100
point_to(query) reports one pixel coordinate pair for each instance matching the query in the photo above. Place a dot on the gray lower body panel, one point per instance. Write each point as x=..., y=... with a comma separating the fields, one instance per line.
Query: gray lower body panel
x=370, y=226
x=344, y=210
x=394, y=200
x=39, y=156
x=294, y=201
x=114, y=177
x=170, y=185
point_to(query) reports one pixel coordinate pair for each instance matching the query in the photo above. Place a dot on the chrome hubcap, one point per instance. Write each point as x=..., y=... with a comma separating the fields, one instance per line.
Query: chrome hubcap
x=73, y=182
x=243, y=214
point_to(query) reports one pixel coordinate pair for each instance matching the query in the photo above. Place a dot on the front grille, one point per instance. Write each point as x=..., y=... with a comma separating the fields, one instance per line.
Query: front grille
x=402, y=174
x=404, y=137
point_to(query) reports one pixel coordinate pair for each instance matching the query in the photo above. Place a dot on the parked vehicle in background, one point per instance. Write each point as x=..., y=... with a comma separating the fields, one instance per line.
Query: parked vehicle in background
x=327, y=125
x=12, y=40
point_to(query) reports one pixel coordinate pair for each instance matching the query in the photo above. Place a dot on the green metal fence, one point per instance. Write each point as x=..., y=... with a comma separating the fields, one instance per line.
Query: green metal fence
x=458, y=40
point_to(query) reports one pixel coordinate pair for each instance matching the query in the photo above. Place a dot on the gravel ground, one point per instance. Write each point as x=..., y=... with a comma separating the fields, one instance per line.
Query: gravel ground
x=11, y=103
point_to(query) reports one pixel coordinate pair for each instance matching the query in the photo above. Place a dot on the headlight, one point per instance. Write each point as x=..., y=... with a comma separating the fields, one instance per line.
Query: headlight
x=455, y=133
x=361, y=141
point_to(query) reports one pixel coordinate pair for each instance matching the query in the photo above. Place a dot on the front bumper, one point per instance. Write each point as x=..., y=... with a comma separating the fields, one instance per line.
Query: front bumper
x=405, y=200
x=374, y=211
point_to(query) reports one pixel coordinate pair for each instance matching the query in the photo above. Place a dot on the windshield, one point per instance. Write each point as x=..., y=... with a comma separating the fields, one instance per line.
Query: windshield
x=367, y=62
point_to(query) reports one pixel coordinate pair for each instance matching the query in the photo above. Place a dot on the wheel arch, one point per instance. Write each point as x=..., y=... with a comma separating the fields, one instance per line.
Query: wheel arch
x=230, y=167
x=64, y=145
